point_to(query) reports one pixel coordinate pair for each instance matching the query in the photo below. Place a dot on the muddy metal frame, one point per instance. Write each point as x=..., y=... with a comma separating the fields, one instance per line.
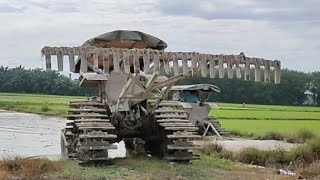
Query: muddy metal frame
x=164, y=63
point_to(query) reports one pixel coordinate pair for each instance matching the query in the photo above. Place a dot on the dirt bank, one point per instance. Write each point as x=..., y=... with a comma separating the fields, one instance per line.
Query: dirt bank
x=237, y=144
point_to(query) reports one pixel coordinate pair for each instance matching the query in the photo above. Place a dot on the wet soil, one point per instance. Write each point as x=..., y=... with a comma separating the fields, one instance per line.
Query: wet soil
x=28, y=135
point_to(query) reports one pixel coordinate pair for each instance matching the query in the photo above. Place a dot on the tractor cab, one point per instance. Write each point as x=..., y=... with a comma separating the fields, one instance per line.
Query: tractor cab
x=194, y=98
x=196, y=93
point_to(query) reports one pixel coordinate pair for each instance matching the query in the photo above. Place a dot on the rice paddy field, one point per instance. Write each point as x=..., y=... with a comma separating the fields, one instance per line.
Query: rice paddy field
x=246, y=119
x=260, y=119
x=37, y=103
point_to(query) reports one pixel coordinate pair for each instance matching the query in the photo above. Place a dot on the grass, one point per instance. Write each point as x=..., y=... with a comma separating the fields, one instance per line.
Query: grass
x=260, y=127
x=249, y=121
x=300, y=136
x=265, y=114
x=263, y=120
x=35, y=103
x=209, y=167
x=268, y=107
x=24, y=168
x=304, y=159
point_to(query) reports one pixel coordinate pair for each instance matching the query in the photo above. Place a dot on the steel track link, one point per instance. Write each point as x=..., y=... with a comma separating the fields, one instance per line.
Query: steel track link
x=89, y=133
x=178, y=131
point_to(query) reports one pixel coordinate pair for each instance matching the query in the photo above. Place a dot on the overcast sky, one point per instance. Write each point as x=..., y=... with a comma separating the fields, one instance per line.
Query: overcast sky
x=288, y=30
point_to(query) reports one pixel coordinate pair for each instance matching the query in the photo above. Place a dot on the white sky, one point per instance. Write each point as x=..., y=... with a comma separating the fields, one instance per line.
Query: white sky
x=288, y=30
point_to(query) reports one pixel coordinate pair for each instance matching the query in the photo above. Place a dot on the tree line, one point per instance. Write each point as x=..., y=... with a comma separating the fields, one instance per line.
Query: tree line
x=39, y=81
x=295, y=88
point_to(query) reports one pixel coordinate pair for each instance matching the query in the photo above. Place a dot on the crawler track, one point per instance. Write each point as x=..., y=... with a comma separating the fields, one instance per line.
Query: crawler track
x=88, y=134
x=177, y=132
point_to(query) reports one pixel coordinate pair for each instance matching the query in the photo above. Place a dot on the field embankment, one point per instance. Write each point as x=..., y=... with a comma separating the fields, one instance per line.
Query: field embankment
x=209, y=167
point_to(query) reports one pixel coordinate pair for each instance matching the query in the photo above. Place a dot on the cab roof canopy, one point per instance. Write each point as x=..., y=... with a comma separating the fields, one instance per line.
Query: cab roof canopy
x=203, y=87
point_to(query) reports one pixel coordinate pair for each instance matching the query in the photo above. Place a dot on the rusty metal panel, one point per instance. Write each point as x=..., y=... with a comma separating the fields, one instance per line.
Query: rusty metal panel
x=126, y=63
x=257, y=71
x=106, y=63
x=212, y=66
x=60, y=60
x=203, y=65
x=84, y=62
x=184, y=58
x=116, y=60
x=146, y=60
x=277, y=68
x=95, y=60
x=220, y=64
x=267, y=71
x=194, y=63
x=238, y=69
x=174, y=59
x=136, y=62
x=230, y=60
x=47, y=55
x=71, y=60
x=247, y=69
x=199, y=62
x=156, y=62
x=166, y=60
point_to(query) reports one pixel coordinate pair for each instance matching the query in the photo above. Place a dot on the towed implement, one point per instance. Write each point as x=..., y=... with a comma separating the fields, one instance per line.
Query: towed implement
x=137, y=98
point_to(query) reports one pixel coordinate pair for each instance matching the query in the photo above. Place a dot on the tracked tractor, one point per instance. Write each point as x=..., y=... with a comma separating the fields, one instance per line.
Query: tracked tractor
x=134, y=75
x=194, y=99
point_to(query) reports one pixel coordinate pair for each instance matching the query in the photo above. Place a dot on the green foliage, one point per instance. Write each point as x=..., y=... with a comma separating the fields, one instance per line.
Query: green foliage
x=45, y=108
x=263, y=157
x=308, y=152
x=300, y=136
x=239, y=133
x=213, y=149
x=291, y=90
x=38, y=81
x=253, y=156
x=304, y=135
x=272, y=135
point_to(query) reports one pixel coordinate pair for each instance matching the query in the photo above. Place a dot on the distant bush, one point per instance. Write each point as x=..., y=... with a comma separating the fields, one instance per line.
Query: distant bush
x=252, y=156
x=305, y=135
x=24, y=168
x=278, y=157
x=301, y=136
x=210, y=148
x=310, y=171
x=6, y=106
x=304, y=154
x=308, y=152
x=240, y=134
x=45, y=108
x=272, y=136
x=217, y=150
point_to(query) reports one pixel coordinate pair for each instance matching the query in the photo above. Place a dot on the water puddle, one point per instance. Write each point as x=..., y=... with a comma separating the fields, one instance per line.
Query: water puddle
x=29, y=135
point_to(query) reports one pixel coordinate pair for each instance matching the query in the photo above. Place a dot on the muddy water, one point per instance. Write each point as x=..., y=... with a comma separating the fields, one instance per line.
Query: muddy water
x=29, y=135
